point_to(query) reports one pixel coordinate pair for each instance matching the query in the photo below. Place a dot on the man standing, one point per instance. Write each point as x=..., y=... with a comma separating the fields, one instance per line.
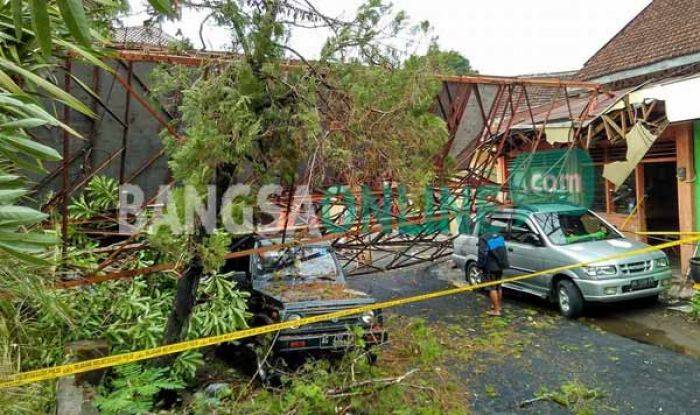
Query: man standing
x=492, y=260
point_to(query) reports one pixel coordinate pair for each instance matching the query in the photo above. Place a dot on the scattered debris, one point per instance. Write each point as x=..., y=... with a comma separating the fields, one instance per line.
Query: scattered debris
x=573, y=395
x=311, y=291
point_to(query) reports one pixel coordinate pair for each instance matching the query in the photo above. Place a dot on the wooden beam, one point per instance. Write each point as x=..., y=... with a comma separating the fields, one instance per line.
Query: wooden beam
x=683, y=134
x=502, y=80
x=125, y=130
x=213, y=58
x=614, y=126
x=623, y=123
x=608, y=130
x=608, y=187
x=589, y=136
x=649, y=109
x=165, y=57
x=641, y=219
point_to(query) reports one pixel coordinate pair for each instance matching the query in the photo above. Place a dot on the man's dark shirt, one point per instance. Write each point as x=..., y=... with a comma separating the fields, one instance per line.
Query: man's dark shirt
x=492, y=253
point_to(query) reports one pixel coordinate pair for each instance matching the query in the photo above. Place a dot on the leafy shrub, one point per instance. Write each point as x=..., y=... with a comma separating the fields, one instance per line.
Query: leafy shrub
x=133, y=389
x=695, y=306
x=100, y=195
x=424, y=343
x=131, y=315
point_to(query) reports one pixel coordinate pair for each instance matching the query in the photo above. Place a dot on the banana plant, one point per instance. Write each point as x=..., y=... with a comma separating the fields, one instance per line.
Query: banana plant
x=18, y=153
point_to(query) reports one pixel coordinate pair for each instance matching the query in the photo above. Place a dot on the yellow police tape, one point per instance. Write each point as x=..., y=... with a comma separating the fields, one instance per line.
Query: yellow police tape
x=18, y=379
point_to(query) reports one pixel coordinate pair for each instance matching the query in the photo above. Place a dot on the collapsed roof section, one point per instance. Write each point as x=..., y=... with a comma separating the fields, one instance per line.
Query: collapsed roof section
x=490, y=118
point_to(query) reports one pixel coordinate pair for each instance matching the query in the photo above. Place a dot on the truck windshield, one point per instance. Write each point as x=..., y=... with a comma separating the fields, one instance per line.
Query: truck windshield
x=308, y=263
x=571, y=227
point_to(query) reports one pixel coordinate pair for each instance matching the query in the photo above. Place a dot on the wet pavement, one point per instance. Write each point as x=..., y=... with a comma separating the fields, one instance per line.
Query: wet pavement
x=652, y=324
x=643, y=359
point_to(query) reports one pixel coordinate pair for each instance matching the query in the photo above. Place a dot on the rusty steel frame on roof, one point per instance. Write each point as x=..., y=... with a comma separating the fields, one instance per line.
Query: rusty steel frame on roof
x=371, y=250
x=477, y=161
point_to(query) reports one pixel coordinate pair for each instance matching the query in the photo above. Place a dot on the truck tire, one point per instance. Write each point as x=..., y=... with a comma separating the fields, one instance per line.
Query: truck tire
x=472, y=274
x=569, y=299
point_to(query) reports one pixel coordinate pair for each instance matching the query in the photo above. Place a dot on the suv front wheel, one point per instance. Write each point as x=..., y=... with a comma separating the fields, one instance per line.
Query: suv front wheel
x=569, y=299
x=473, y=274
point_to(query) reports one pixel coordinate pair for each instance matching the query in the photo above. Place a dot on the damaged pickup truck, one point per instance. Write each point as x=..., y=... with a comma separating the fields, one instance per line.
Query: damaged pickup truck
x=301, y=281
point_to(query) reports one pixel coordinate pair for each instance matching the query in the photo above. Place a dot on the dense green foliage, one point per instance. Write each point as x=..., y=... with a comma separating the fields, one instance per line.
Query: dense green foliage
x=34, y=36
x=100, y=196
x=458, y=64
x=342, y=117
x=406, y=384
x=361, y=113
x=133, y=389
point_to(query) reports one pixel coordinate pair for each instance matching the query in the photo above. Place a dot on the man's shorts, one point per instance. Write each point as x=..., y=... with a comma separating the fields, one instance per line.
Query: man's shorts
x=490, y=276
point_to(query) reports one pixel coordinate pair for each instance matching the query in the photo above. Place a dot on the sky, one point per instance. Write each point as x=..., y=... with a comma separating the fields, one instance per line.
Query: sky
x=499, y=37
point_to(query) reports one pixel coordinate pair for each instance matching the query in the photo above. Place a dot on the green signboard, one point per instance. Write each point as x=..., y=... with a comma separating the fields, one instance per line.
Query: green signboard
x=553, y=176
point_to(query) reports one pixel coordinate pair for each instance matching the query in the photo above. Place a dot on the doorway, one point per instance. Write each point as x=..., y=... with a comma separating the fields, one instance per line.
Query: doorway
x=661, y=202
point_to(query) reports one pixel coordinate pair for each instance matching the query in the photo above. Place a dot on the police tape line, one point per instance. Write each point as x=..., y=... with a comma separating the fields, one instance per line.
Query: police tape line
x=18, y=379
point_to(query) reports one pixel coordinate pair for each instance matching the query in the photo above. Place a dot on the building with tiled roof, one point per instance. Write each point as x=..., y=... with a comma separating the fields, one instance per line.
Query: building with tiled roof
x=654, y=60
x=663, y=39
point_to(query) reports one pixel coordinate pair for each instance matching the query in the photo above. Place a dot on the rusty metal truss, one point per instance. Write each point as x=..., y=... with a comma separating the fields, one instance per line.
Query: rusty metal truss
x=488, y=119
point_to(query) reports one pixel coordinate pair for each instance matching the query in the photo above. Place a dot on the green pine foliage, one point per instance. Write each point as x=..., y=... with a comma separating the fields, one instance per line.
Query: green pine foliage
x=133, y=389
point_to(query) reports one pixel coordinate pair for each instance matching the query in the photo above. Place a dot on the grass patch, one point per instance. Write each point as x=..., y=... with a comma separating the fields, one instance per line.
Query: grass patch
x=575, y=396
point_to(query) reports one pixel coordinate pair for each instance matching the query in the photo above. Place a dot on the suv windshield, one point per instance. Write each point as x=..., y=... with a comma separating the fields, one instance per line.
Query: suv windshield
x=305, y=262
x=566, y=228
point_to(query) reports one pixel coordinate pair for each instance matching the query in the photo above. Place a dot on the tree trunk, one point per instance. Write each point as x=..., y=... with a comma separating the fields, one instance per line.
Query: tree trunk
x=184, y=301
x=186, y=294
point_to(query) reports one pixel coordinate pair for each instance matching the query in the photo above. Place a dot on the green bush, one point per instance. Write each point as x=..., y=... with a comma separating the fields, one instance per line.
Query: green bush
x=695, y=306
x=133, y=389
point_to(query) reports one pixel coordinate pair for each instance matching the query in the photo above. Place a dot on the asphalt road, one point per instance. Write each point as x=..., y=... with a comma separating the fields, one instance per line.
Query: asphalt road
x=635, y=378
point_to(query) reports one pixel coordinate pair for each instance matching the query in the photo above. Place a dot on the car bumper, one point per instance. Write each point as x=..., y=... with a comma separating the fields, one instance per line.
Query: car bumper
x=621, y=289
x=328, y=341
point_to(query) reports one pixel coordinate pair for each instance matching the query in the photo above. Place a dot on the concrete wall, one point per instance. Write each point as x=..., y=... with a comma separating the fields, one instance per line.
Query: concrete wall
x=103, y=135
x=472, y=122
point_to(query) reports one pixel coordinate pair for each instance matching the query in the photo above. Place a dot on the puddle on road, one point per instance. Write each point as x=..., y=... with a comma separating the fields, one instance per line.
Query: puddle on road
x=651, y=325
x=644, y=334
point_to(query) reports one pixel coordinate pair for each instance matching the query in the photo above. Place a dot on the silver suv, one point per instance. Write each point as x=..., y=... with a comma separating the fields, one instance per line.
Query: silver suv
x=544, y=236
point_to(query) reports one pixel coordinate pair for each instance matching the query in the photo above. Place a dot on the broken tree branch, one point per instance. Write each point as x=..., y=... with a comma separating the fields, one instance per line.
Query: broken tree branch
x=384, y=382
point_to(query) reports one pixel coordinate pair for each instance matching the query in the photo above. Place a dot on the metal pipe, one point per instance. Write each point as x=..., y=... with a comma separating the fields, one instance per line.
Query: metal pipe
x=125, y=130
x=65, y=162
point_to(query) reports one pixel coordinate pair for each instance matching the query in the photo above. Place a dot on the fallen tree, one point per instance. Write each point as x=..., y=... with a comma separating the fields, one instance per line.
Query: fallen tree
x=359, y=113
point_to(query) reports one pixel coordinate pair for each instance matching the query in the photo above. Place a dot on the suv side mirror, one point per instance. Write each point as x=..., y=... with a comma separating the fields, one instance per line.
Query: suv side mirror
x=532, y=239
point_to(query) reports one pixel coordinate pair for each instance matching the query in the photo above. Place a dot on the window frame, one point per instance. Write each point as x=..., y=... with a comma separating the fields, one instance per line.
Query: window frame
x=526, y=221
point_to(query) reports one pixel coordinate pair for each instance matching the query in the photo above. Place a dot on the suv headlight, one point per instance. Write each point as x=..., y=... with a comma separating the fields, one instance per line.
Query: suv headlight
x=601, y=271
x=293, y=317
x=368, y=317
x=661, y=263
